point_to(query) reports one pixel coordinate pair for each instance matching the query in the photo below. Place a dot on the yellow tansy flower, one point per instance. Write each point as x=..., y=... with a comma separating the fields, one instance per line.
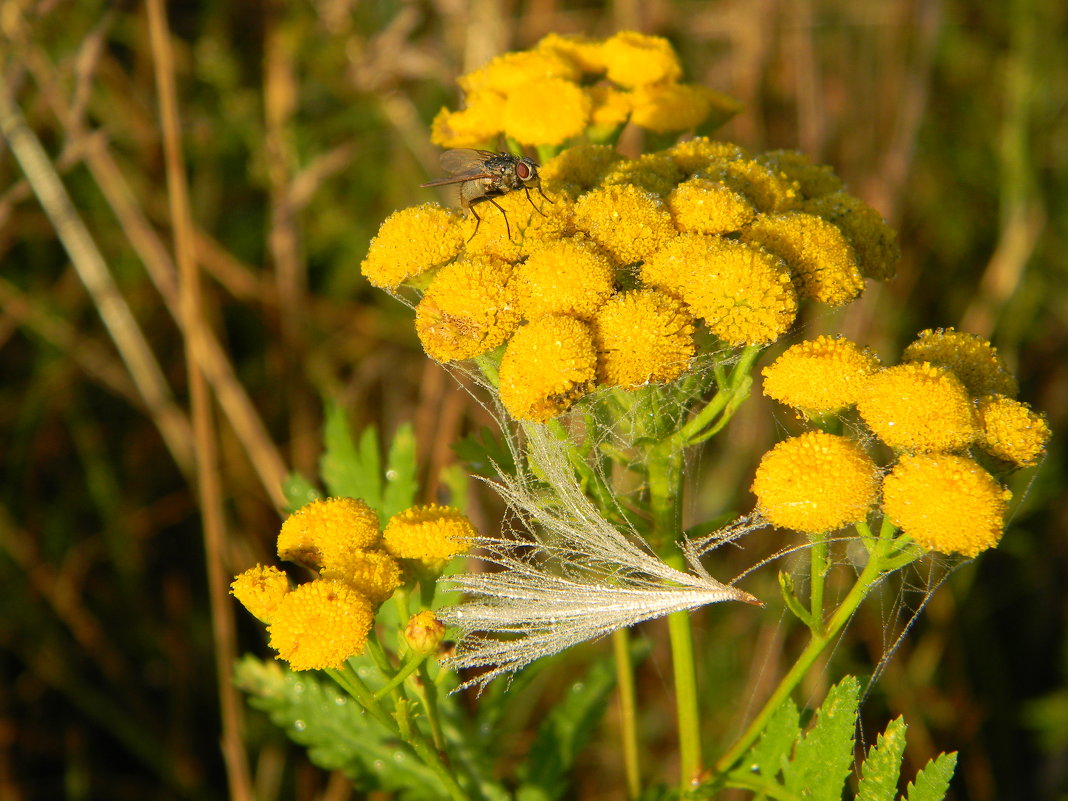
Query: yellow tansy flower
x=653, y=171
x=672, y=106
x=324, y=532
x=429, y=535
x=564, y=276
x=424, y=632
x=819, y=376
x=701, y=153
x=815, y=483
x=546, y=112
x=820, y=259
x=513, y=72
x=467, y=310
x=586, y=54
x=548, y=365
x=742, y=292
x=628, y=222
x=945, y=503
x=815, y=180
x=634, y=59
x=642, y=336
x=1012, y=431
x=874, y=241
x=577, y=169
x=918, y=407
x=320, y=624
x=610, y=107
x=260, y=589
x=411, y=242
x=373, y=573
x=767, y=189
x=703, y=206
x=969, y=357
x=478, y=124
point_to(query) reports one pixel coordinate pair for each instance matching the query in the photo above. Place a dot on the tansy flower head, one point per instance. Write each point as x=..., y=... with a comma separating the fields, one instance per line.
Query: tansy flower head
x=467, y=310
x=918, y=407
x=577, y=169
x=655, y=172
x=424, y=632
x=675, y=106
x=610, y=107
x=819, y=376
x=872, y=239
x=969, y=357
x=514, y=72
x=634, y=59
x=548, y=365
x=814, y=180
x=260, y=589
x=324, y=532
x=820, y=259
x=945, y=503
x=815, y=483
x=429, y=535
x=525, y=118
x=703, y=206
x=701, y=154
x=503, y=237
x=642, y=336
x=563, y=276
x=475, y=125
x=742, y=292
x=373, y=573
x=628, y=222
x=1012, y=431
x=411, y=242
x=769, y=191
x=320, y=624
x=586, y=54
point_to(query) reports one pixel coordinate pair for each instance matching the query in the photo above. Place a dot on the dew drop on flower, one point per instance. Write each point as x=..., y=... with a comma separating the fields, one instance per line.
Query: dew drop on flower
x=299, y=725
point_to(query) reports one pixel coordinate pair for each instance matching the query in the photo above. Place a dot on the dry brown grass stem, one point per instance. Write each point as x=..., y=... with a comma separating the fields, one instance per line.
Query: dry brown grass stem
x=208, y=479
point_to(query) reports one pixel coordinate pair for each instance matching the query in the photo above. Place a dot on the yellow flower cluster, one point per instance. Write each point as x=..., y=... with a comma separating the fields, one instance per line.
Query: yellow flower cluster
x=323, y=622
x=565, y=86
x=940, y=410
x=608, y=284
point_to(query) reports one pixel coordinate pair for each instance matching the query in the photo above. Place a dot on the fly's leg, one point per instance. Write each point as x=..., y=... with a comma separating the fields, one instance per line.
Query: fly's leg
x=531, y=200
x=507, y=227
x=478, y=221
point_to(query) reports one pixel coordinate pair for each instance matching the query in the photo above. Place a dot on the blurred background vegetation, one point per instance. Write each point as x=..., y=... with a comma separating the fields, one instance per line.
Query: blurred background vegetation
x=302, y=125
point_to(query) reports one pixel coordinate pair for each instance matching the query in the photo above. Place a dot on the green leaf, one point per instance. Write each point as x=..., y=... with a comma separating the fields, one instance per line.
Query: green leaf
x=771, y=753
x=483, y=449
x=822, y=759
x=402, y=485
x=882, y=768
x=544, y=775
x=349, y=471
x=932, y=783
x=298, y=491
x=335, y=731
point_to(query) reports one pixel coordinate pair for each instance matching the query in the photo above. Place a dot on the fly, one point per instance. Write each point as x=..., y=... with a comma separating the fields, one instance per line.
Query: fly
x=484, y=175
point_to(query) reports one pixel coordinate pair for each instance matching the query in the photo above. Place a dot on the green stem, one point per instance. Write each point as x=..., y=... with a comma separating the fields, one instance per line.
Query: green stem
x=628, y=715
x=872, y=572
x=347, y=679
x=686, y=708
x=819, y=567
x=409, y=667
x=733, y=389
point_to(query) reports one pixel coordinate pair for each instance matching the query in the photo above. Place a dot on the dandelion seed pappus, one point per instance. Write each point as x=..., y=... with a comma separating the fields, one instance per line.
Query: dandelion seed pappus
x=484, y=175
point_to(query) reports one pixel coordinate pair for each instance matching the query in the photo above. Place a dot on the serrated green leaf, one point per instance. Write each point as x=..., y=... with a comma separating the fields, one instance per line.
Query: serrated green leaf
x=771, y=753
x=298, y=491
x=882, y=768
x=401, y=482
x=335, y=731
x=566, y=730
x=347, y=470
x=822, y=759
x=481, y=450
x=932, y=783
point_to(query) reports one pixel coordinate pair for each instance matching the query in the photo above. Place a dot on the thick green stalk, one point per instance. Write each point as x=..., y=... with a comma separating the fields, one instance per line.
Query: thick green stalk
x=628, y=712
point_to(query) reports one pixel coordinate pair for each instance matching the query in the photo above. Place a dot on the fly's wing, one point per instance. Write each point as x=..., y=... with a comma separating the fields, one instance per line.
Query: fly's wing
x=458, y=179
x=464, y=160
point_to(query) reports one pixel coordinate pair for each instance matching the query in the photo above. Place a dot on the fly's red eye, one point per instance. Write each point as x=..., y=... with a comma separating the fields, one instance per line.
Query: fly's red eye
x=522, y=170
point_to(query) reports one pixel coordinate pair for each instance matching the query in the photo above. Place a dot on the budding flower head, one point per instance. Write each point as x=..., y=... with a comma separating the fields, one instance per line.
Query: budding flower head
x=424, y=632
x=815, y=483
x=918, y=407
x=428, y=535
x=320, y=624
x=323, y=533
x=945, y=503
x=1012, y=431
x=642, y=336
x=548, y=365
x=260, y=589
x=969, y=357
x=819, y=376
x=412, y=242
